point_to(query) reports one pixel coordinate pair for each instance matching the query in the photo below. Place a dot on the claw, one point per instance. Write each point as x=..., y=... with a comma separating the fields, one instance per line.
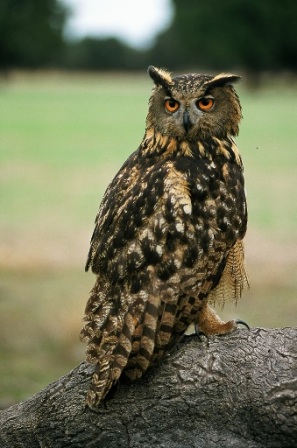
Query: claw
x=199, y=333
x=242, y=322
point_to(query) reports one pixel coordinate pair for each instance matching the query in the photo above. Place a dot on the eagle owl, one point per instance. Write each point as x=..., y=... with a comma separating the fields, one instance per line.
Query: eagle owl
x=168, y=234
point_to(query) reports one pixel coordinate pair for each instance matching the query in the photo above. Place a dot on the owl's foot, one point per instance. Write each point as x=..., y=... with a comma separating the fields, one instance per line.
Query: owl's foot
x=242, y=322
x=199, y=333
x=209, y=323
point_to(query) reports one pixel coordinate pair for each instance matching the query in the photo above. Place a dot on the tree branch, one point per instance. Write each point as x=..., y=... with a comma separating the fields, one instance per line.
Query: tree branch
x=238, y=390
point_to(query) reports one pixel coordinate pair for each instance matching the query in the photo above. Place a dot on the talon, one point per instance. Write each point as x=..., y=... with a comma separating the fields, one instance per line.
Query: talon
x=199, y=333
x=242, y=322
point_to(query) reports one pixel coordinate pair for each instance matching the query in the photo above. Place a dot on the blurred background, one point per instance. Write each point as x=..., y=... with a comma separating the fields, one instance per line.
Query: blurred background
x=73, y=102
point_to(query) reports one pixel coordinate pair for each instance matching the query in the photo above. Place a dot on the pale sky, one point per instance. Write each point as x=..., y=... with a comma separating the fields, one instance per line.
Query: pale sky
x=135, y=21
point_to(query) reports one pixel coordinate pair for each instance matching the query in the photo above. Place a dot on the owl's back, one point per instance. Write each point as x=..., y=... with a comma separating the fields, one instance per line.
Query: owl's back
x=167, y=236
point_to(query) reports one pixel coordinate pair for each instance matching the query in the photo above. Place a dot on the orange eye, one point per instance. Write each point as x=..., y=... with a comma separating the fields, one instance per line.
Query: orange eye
x=205, y=103
x=171, y=105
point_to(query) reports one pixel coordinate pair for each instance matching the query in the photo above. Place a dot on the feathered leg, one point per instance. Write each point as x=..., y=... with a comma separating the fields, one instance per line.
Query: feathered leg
x=209, y=323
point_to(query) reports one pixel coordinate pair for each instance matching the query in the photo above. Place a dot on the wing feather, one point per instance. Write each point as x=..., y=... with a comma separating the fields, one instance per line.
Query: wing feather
x=156, y=249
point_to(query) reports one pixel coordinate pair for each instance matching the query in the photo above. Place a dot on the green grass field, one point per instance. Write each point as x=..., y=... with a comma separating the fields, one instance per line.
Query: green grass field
x=62, y=139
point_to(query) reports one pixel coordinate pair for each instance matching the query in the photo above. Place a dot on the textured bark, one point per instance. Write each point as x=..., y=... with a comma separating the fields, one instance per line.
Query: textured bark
x=238, y=390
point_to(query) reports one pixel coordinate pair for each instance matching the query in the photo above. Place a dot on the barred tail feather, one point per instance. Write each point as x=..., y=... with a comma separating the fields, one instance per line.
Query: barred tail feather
x=112, y=352
x=165, y=328
x=124, y=347
x=144, y=345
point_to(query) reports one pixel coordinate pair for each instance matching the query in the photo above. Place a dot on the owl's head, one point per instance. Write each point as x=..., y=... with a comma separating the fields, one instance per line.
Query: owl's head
x=193, y=106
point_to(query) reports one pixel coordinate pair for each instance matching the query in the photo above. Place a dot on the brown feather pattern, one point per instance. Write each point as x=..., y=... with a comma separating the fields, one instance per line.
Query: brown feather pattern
x=167, y=238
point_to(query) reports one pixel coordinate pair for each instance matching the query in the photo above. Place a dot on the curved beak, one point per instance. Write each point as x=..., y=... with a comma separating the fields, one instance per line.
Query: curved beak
x=186, y=121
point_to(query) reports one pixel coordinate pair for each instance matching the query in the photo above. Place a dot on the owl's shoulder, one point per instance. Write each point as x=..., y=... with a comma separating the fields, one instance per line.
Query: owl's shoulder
x=129, y=200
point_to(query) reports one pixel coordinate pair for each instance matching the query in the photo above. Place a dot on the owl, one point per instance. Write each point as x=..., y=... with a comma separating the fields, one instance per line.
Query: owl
x=168, y=236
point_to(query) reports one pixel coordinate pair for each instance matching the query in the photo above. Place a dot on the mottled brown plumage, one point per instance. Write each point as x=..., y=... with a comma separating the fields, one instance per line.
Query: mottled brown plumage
x=168, y=234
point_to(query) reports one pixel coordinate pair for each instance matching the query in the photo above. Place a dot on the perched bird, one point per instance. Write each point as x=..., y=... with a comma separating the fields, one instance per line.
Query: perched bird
x=168, y=234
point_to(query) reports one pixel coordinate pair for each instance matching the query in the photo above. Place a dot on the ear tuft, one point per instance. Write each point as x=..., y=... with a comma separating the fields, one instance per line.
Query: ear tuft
x=160, y=76
x=223, y=79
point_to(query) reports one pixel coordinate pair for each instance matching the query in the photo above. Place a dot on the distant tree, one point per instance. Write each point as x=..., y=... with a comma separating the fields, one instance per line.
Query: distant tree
x=249, y=34
x=30, y=32
x=93, y=53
